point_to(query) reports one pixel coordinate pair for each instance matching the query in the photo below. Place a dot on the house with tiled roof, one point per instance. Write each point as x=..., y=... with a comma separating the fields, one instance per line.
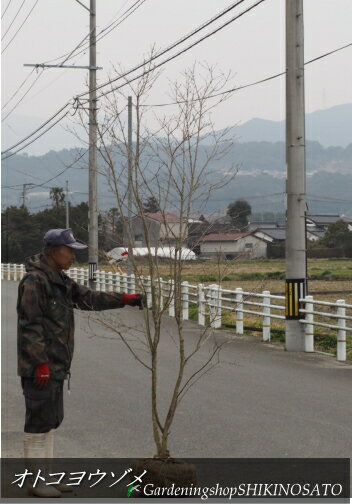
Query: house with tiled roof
x=232, y=245
x=164, y=228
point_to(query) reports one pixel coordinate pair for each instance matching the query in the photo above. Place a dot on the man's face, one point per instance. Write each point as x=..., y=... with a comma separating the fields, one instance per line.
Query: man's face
x=63, y=257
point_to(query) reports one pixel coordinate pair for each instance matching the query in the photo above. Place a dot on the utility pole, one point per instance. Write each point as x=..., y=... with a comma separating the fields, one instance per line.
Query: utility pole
x=93, y=202
x=129, y=189
x=67, y=207
x=296, y=276
x=92, y=185
x=24, y=193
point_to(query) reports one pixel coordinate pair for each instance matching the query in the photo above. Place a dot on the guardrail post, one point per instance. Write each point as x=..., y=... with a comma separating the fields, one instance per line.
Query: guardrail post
x=22, y=271
x=185, y=300
x=215, y=310
x=9, y=271
x=201, y=305
x=15, y=272
x=171, y=298
x=161, y=293
x=117, y=278
x=97, y=280
x=309, y=326
x=124, y=283
x=209, y=297
x=341, y=333
x=110, y=282
x=148, y=291
x=239, y=310
x=103, y=280
x=266, y=316
x=132, y=283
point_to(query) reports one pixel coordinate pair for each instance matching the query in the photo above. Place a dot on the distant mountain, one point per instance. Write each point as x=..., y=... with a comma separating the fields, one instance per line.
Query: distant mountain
x=261, y=178
x=329, y=127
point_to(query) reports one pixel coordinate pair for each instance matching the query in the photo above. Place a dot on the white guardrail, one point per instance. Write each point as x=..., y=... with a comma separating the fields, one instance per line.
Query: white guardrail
x=211, y=301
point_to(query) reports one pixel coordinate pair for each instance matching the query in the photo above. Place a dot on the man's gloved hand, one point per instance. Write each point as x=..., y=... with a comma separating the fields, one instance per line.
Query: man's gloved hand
x=42, y=374
x=135, y=300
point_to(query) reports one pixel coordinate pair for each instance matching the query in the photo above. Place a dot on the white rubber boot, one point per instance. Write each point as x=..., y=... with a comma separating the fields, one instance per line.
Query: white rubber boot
x=35, y=448
x=49, y=454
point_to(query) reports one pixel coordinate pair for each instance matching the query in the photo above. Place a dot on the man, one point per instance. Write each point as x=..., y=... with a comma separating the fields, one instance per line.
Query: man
x=46, y=299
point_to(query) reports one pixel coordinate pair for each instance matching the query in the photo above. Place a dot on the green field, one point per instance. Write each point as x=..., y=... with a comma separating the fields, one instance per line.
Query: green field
x=328, y=280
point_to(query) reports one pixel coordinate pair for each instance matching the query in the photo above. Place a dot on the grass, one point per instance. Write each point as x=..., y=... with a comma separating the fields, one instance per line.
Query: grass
x=329, y=280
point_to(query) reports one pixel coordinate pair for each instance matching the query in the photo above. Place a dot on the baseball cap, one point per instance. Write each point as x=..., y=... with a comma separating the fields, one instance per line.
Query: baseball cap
x=62, y=237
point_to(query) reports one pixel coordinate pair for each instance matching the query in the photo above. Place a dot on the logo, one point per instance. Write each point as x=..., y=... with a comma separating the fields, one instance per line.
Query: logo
x=131, y=488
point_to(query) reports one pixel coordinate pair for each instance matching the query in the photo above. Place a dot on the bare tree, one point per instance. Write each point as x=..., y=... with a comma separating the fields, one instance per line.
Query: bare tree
x=172, y=164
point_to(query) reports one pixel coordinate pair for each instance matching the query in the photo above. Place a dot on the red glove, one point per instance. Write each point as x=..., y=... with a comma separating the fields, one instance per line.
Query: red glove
x=134, y=300
x=42, y=374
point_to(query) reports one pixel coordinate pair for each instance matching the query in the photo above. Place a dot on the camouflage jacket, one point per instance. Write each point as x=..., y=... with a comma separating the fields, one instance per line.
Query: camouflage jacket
x=45, y=317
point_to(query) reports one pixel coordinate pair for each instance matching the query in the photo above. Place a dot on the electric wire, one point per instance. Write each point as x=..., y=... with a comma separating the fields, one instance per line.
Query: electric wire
x=165, y=61
x=139, y=66
x=177, y=43
x=43, y=184
x=271, y=77
x=22, y=4
x=37, y=137
x=36, y=130
x=98, y=36
x=136, y=5
x=7, y=6
x=18, y=89
x=18, y=29
x=23, y=96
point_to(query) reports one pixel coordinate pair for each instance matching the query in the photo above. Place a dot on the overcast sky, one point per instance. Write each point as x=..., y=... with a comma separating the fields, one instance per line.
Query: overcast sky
x=251, y=47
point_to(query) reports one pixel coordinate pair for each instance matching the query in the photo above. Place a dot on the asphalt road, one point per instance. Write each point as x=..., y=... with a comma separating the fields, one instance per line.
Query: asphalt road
x=259, y=401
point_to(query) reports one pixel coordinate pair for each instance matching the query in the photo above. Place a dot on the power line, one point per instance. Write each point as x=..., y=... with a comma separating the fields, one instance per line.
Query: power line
x=30, y=12
x=139, y=66
x=175, y=44
x=52, y=178
x=328, y=53
x=37, y=137
x=18, y=89
x=165, y=61
x=248, y=85
x=13, y=19
x=70, y=54
x=36, y=130
x=7, y=6
x=137, y=4
x=180, y=52
x=23, y=96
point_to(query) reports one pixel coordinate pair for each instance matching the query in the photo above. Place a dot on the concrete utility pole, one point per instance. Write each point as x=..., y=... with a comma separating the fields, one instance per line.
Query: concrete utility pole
x=24, y=194
x=296, y=276
x=93, y=201
x=130, y=158
x=67, y=207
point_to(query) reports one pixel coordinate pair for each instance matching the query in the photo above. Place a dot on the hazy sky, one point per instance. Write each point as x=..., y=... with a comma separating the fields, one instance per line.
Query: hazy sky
x=251, y=47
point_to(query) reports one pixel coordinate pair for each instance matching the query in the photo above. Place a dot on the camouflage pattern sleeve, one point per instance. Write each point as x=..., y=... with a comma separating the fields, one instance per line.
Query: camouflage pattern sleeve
x=31, y=309
x=86, y=299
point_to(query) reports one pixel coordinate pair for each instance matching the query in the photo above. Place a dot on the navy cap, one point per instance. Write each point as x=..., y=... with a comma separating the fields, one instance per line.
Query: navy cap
x=62, y=237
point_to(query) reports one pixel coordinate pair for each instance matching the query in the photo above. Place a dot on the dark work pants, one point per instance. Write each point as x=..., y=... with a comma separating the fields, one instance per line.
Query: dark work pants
x=44, y=405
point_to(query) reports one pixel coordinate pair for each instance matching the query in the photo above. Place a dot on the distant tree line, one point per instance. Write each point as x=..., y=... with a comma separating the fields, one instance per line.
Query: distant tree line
x=22, y=231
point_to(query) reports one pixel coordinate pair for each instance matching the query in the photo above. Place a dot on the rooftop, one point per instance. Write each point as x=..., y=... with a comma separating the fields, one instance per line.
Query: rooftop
x=163, y=217
x=223, y=237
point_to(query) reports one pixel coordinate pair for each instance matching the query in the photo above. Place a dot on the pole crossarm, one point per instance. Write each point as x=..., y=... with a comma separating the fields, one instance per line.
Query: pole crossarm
x=43, y=65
